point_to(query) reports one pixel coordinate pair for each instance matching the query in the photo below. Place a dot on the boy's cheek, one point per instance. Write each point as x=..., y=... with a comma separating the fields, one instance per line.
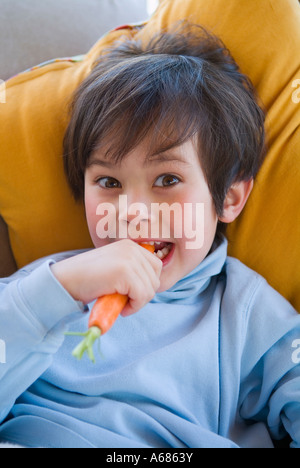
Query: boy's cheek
x=92, y=221
x=90, y=211
x=101, y=221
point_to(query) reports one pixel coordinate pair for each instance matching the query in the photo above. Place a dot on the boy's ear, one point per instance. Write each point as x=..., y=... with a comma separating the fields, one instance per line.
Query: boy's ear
x=235, y=200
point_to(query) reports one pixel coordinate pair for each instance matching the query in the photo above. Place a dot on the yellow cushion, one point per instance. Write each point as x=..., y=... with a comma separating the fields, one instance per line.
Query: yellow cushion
x=264, y=38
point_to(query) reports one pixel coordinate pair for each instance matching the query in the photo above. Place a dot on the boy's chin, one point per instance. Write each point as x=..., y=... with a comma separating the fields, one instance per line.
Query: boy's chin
x=166, y=282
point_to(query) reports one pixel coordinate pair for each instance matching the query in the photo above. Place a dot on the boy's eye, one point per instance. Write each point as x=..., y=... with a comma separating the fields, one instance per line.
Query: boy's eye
x=108, y=182
x=166, y=180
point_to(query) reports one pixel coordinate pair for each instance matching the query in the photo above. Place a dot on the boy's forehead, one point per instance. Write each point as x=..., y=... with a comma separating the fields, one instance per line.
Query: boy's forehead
x=181, y=154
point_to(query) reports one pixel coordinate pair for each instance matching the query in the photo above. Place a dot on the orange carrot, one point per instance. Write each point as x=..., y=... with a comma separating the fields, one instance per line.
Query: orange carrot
x=106, y=310
x=103, y=315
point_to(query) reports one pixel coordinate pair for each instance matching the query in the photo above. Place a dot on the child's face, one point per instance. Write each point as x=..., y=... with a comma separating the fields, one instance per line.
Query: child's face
x=122, y=200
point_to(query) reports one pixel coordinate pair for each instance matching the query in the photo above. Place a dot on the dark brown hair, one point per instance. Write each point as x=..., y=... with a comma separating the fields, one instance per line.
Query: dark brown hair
x=180, y=84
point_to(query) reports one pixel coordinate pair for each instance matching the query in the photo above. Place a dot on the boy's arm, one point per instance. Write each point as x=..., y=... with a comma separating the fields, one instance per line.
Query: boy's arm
x=270, y=389
x=36, y=306
x=34, y=313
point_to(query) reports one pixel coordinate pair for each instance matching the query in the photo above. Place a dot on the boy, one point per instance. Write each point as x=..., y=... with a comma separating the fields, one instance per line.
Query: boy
x=206, y=358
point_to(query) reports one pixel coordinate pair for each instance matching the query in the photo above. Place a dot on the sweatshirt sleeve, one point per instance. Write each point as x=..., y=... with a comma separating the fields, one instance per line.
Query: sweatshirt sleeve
x=35, y=311
x=270, y=390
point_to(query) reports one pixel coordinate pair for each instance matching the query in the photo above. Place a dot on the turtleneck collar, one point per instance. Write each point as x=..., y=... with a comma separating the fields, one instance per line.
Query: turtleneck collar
x=192, y=285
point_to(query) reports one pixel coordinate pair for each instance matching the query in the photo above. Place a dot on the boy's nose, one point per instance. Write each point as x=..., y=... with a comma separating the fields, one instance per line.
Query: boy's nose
x=131, y=211
x=136, y=214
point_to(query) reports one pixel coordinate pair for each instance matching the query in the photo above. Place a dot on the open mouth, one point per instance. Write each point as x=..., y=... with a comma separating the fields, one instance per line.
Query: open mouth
x=162, y=249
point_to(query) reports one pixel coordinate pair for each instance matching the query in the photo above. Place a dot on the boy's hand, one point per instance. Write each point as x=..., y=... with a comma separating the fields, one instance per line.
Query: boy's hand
x=123, y=267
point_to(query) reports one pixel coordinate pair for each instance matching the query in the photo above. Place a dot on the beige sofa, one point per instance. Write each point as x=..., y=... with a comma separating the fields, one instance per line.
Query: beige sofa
x=33, y=31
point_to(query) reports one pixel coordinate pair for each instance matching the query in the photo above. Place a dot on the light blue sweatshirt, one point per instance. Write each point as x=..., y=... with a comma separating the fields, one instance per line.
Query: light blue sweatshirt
x=210, y=363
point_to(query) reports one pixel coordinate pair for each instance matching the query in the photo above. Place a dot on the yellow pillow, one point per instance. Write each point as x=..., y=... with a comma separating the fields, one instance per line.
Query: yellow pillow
x=264, y=38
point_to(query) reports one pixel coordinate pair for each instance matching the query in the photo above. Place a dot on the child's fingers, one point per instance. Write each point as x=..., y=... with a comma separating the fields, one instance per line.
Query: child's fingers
x=143, y=284
x=139, y=264
x=153, y=267
x=155, y=262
